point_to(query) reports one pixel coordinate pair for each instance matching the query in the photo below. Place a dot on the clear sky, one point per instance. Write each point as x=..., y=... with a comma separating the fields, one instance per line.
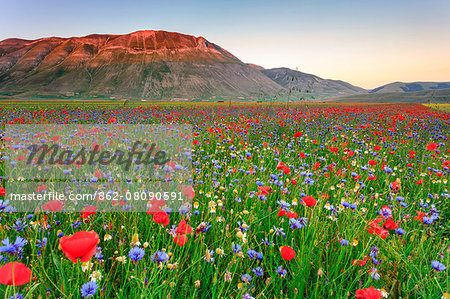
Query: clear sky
x=366, y=43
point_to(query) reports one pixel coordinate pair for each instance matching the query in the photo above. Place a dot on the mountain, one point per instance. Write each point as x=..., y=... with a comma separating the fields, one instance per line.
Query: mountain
x=255, y=66
x=423, y=96
x=410, y=87
x=143, y=64
x=308, y=83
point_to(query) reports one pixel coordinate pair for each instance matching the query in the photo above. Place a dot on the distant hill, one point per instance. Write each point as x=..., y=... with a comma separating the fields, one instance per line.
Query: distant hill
x=144, y=64
x=410, y=87
x=423, y=96
x=318, y=87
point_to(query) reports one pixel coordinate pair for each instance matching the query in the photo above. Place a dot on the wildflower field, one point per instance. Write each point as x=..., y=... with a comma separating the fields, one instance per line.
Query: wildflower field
x=287, y=201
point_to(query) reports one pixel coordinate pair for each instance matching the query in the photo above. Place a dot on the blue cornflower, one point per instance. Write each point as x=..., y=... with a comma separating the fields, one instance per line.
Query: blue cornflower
x=374, y=273
x=40, y=244
x=13, y=248
x=16, y=296
x=252, y=253
x=98, y=253
x=160, y=256
x=284, y=205
x=246, y=278
x=89, y=289
x=438, y=266
x=136, y=254
x=259, y=255
x=282, y=272
x=279, y=231
x=19, y=225
x=236, y=248
x=266, y=242
x=427, y=220
x=400, y=231
x=258, y=271
x=343, y=242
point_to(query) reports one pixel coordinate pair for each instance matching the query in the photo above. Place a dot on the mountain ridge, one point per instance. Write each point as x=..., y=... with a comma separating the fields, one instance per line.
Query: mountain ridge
x=142, y=64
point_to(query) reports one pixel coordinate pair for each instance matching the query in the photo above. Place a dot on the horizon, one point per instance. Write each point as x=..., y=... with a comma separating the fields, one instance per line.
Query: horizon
x=371, y=44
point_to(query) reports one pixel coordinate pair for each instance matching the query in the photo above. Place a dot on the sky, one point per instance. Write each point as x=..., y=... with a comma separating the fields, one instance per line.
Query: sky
x=366, y=43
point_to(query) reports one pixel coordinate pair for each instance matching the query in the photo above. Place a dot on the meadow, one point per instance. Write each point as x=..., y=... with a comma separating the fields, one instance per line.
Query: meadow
x=288, y=201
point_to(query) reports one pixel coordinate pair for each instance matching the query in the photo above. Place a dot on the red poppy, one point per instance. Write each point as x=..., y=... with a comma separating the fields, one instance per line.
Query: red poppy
x=293, y=182
x=183, y=228
x=41, y=188
x=155, y=205
x=80, y=245
x=52, y=206
x=369, y=293
x=287, y=253
x=265, y=190
x=373, y=162
x=361, y=262
x=375, y=229
x=88, y=211
x=180, y=239
x=161, y=217
x=189, y=192
x=432, y=146
x=309, y=201
x=281, y=165
x=377, y=147
x=298, y=134
x=2, y=191
x=281, y=212
x=286, y=170
x=290, y=214
x=390, y=224
x=372, y=177
x=419, y=216
x=15, y=273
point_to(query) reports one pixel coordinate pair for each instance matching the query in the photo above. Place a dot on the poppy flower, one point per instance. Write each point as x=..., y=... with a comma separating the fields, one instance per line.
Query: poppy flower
x=155, y=205
x=281, y=165
x=183, y=228
x=88, y=211
x=373, y=162
x=287, y=253
x=180, y=239
x=432, y=146
x=419, y=216
x=361, y=262
x=298, y=134
x=80, y=245
x=15, y=273
x=2, y=191
x=290, y=214
x=161, y=217
x=52, y=206
x=265, y=190
x=281, y=212
x=293, y=182
x=390, y=224
x=369, y=293
x=309, y=201
x=375, y=229
x=395, y=187
x=189, y=192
